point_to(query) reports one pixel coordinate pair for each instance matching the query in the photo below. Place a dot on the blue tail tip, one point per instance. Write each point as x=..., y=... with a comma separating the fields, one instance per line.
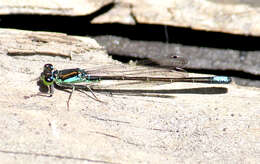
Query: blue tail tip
x=222, y=79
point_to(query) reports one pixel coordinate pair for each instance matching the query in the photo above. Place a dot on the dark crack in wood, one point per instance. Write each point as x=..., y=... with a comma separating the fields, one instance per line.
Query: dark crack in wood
x=54, y=156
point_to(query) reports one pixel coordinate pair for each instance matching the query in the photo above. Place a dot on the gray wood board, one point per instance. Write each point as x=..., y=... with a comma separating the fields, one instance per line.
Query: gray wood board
x=199, y=57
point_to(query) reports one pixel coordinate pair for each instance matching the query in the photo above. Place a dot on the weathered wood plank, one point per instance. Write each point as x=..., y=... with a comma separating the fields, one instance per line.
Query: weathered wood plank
x=187, y=123
x=52, y=7
x=19, y=42
x=232, y=16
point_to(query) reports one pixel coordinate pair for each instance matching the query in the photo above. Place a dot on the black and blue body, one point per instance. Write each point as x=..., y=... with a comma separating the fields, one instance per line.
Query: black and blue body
x=69, y=78
x=77, y=75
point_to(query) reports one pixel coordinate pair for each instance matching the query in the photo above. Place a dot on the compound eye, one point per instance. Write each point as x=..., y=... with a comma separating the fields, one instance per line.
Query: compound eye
x=49, y=78
x=48, y=67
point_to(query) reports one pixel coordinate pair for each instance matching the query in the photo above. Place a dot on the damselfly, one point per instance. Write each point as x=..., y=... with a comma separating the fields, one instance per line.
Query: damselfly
x=69, y=78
